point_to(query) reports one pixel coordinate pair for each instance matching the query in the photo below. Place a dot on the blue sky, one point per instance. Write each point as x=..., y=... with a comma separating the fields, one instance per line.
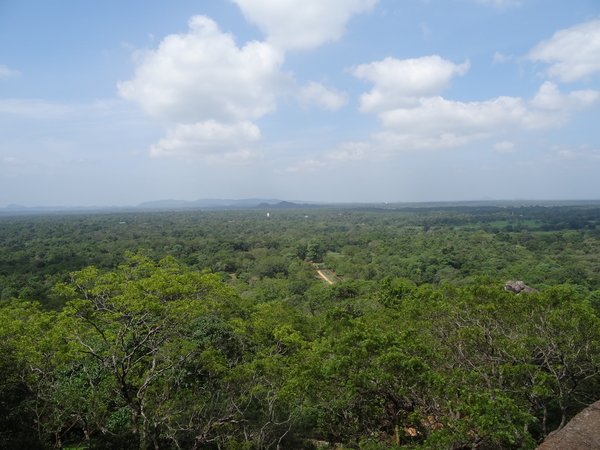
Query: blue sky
x=116, y=103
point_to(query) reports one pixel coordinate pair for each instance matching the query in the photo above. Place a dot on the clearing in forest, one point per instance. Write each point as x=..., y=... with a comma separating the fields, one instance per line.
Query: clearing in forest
x=327, y=274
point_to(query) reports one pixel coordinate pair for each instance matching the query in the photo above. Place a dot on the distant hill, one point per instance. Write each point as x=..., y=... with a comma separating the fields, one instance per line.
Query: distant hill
x=287, y=205
x=206, y=203
x=257, y=203
x=161, y=205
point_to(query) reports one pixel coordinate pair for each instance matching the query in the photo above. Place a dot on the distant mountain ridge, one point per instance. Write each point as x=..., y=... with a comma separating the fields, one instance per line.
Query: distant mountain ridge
x=287, y=205
x=157, y=205
x=206, y=202
x=257, y=203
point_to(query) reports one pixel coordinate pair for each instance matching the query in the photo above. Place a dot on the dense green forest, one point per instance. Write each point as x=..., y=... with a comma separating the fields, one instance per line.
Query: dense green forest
x=215, y=330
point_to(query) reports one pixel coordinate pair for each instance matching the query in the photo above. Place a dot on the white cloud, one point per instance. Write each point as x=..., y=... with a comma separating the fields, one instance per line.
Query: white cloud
x=549, y=98
x=500, y=58
x=206, y=138
x=350, y=151
x=5, y=72
x=505, y=147
x=425, y=31
x=397, y=141
x=583, y=153
x=128, y=46
x=414, y=117
x=9, y=160
x=566, y=153
x=309, y=165
x=302, y=24
x=317, y=94
x=208, y=89
x=202, y=75
x=347, y=152
x=236, y=158
x=574, y=53
x=402, y=82
x=549, y=108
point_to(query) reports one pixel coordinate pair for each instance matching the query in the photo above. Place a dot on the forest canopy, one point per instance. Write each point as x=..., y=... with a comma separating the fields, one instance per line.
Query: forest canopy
x=359, y=328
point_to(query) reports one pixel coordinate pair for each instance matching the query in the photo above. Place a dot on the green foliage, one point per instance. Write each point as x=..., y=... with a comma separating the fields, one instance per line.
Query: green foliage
x=221, y=335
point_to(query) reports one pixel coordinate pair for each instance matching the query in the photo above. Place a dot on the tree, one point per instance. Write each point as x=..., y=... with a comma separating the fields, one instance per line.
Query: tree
x=135, y=328
x=315, y=251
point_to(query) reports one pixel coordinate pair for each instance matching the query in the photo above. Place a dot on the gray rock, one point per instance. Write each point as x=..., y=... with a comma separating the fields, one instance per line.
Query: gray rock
x=581, y=433
x=518, y=287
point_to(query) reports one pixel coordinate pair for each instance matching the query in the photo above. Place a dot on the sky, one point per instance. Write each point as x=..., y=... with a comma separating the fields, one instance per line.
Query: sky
x=116, y=103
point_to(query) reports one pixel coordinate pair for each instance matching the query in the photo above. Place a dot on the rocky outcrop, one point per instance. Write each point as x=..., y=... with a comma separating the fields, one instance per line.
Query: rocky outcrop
x=581, y=433
x=518, y=287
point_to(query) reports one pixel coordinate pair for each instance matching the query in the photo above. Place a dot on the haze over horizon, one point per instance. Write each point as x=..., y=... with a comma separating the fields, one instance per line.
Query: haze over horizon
x=320, y=100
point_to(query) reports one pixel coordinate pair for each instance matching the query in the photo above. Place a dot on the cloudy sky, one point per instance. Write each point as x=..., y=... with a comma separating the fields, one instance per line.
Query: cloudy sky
x=116, y=103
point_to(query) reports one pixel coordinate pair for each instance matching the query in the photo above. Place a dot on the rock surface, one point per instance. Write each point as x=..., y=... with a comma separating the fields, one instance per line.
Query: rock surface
x=518, y=286
x=581, y=433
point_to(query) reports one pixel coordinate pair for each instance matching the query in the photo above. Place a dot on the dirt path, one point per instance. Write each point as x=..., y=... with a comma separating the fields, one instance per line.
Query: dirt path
x=324, y=277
